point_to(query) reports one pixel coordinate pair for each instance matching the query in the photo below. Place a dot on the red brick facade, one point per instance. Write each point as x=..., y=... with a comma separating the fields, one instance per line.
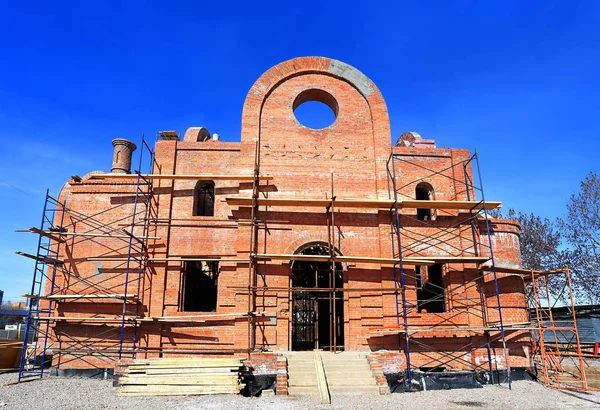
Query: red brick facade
x=353, y=153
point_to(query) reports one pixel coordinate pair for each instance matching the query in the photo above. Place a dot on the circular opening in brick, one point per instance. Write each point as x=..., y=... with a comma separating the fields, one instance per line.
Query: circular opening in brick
x=316, y=109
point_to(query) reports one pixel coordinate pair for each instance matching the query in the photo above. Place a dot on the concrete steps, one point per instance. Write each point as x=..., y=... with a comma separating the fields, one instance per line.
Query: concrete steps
x=302, y=375
x=346, y=373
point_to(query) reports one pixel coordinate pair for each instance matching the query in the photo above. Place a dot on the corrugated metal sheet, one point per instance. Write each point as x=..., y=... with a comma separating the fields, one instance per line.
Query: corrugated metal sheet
x=588, y=324
x=588, y=329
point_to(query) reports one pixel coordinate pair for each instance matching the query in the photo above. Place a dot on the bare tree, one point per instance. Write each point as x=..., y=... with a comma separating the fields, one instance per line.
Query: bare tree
x=581, y=229
x=541, y=249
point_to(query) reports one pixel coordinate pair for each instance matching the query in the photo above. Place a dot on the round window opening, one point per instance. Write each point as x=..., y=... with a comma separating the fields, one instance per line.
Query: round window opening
x=316, y=109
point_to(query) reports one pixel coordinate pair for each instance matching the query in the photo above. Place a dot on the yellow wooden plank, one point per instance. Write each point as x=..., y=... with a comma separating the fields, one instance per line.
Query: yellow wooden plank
x=364, y=203
x=86, y=319
x=199, y=177
x=189, y=360
x=324, y=395
x=82, y=296
x=518, y=271
x=306, y=202
x=326, y=258
x=176, y=390
x=215, y=371
x=181, y=381
x=455, y=205
x=47, y=234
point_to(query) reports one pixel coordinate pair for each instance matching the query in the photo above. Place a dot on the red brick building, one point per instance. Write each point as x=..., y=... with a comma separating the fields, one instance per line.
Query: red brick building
x=291, y=239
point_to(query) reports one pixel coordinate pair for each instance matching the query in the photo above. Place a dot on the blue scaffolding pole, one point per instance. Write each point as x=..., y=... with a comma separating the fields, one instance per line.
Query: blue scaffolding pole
x=475, y=156
x=37, y=327
x=399, y=268
x=143, y=195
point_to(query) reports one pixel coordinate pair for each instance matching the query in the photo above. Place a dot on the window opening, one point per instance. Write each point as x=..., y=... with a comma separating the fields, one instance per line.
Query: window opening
x=204, y=199
x=430, y=298
x=200, y=286
x=424, y=192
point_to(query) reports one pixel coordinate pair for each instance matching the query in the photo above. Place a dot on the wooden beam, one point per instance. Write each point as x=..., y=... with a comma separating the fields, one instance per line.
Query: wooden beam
x=517, y=271
x=454, y=259
x=211, y=177
x=326, y=258
x=173, y=258
x=47, y=234
x=82, y=296
x=342, y=203
x=86, y=319
x=115, y=259
x=130, y=235
x=44, y=259
x=322, y=385
x=457, y=205
x=197, y=318
x=364, y=203
x=105, y=235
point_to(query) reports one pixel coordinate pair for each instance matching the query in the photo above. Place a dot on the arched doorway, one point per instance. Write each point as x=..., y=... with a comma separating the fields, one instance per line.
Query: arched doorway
x=317, y=315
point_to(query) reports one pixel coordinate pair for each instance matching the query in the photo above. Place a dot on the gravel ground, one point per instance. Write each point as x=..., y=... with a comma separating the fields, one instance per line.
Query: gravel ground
x=66, y=394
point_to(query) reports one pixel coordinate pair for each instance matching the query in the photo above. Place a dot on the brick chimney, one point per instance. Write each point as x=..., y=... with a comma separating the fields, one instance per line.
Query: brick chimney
x=122, y=156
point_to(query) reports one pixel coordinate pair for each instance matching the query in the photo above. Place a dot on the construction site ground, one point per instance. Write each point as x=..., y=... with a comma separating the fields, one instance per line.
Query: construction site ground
x=70, y=394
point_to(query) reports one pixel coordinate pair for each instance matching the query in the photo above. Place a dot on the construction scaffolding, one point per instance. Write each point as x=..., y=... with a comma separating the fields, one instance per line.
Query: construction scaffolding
x=57, y=285
x=430, y=238
x=556, y=344
x=412, y=238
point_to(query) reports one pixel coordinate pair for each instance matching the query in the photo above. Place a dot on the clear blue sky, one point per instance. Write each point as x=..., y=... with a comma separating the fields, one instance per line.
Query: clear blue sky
x=519, y=80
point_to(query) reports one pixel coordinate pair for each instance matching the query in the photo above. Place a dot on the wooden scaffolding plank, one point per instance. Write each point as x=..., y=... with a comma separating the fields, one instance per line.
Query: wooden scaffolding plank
x=187, y=362
x=454, y=259
x=342, y=203
x=181, y=371
x=413, y=260
x=168, y=259
x=456, y=205
x=81, y=296
x=47, y=234
x=185, y=380
x=223, y=368
x=104, y=235
x=44, y=259
x=177, y=390
x=205, y=177
x=518, y=271
x=363, y=203
x=86, y=319
x=198, y=318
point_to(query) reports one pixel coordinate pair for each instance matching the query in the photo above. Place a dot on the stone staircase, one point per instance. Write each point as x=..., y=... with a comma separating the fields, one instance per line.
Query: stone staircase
x=346, y=373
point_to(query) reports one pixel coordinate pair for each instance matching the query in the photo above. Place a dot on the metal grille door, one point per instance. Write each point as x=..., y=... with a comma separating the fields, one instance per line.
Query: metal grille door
x=303, y=321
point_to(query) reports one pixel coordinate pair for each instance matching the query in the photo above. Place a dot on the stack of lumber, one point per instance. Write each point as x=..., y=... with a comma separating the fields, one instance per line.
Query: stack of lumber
x=180, y=377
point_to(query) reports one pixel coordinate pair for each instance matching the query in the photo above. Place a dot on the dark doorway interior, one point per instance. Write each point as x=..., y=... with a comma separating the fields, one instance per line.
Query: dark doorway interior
x=318, y=316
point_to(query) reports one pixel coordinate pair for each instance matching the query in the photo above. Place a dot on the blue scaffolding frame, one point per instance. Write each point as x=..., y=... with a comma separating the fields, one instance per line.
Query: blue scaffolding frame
x=477, y=214
x=46, y=293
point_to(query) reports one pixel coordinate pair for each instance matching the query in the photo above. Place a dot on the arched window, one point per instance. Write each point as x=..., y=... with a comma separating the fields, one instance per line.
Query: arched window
x=424, y=192
x=204, y=198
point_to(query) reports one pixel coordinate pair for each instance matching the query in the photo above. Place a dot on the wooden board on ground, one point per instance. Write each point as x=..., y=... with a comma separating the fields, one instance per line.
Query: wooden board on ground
x=180, y=376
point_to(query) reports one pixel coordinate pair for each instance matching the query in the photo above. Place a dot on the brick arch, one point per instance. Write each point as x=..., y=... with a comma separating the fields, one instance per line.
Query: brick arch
x=308, y=237
x=279, y=74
